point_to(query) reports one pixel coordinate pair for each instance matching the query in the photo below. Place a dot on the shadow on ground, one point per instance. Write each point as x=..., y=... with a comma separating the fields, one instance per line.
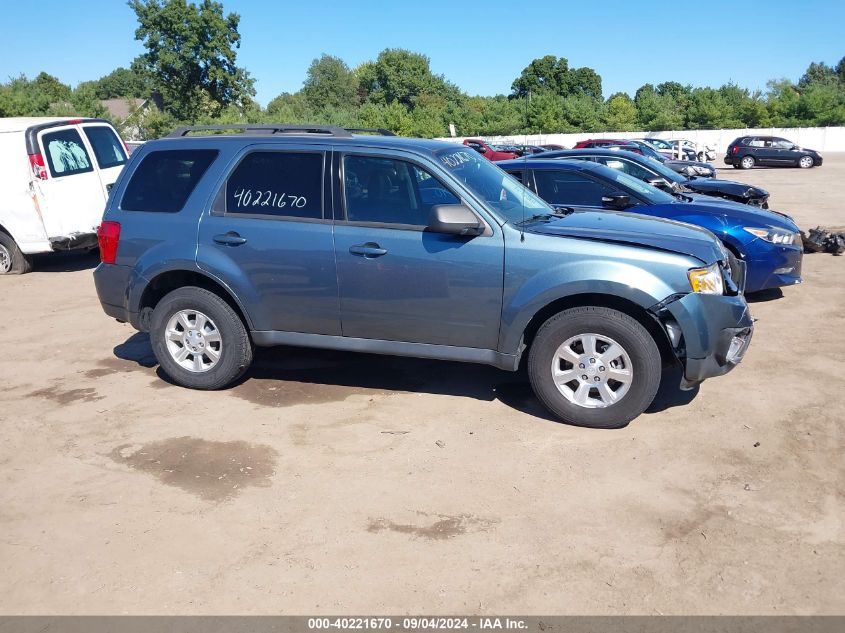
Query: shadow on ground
x=66, y=262
x=282, y=376
x=762, y=296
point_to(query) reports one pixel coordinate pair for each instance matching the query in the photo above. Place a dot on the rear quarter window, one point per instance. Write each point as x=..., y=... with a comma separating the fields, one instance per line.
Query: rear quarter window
x=165, y=179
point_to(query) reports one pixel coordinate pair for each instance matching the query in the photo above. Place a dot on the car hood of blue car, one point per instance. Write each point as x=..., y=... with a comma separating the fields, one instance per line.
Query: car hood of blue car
x=732, y=212
x=633, y=229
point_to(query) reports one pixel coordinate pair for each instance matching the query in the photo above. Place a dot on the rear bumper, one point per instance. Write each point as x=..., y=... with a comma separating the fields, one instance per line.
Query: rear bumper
x=113, y=284
x=716, y=332
x=74, y=241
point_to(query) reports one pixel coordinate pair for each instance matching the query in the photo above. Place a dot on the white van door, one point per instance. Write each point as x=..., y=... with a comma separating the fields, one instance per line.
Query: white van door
x=109, y=153
x=71, y=197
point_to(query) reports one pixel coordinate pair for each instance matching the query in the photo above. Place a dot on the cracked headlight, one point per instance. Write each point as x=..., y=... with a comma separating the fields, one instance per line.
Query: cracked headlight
x=774, y=236
x=707, y=280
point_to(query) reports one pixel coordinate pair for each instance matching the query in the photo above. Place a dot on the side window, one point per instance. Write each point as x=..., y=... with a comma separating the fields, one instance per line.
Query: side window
x=781, y=143
x=755, y=142
x=108, y=149
x=282, y=184
x=164, y=180
x=569, y=188
x=519, y=175
x=66, y=153
x=390, y=191
x=625, y=166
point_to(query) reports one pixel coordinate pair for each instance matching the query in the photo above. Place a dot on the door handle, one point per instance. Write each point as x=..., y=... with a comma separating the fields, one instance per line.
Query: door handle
x=368, y=250
x=230, y=239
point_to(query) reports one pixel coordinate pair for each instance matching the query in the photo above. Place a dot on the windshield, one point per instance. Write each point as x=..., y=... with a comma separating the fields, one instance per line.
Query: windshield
x=652, y=194
x=669, y=174
x=501, y=192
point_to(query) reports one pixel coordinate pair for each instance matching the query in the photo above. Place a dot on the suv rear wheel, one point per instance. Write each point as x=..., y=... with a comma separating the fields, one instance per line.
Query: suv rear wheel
x=594, y=366
x=12, y=260
x=747, y=162
x=199, y=340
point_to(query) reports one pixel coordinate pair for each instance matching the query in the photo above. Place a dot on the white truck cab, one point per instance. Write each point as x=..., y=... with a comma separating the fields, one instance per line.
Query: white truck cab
x=55, y=177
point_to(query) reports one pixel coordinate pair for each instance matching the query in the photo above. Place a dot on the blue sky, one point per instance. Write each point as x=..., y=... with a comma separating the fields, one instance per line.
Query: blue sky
x=479, y=45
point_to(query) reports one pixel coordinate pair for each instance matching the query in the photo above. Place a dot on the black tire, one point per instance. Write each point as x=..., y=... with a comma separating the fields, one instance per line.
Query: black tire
x=628, y=333
x=12, y=260
x=806, y=162
x=747, y=162
x=236, y=347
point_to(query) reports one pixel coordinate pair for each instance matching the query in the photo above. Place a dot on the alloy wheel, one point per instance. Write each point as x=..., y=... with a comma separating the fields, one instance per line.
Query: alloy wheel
x=193, y=341
x=592, y=370
x=5, y=260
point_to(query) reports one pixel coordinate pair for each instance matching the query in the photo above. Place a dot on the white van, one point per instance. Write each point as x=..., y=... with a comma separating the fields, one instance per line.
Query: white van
x=55, y=177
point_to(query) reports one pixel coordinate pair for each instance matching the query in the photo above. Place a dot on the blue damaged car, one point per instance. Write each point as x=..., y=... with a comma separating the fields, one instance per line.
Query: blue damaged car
x=358, y=240
x=767, y=241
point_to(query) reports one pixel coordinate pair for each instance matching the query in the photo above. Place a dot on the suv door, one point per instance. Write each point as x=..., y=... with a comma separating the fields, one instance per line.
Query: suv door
x=762, y=150
x=398, y=281
x=269, y=236
x=71, y=199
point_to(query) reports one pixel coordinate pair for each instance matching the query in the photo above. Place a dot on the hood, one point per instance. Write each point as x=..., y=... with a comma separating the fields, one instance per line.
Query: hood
x=738, y=189
x=635, y=230
x=737, y=212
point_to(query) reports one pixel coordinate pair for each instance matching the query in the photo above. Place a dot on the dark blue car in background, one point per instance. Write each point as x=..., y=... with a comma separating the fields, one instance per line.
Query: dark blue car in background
x=769, y=242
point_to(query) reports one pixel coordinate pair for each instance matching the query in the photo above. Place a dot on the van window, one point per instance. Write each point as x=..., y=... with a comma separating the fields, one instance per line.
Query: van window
x=280, y=184
x=66, y=153
x=164, y=180
x=108, y=149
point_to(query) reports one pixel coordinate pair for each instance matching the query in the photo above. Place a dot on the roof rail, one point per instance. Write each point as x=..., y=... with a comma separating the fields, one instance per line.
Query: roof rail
x=370, y=130
x=277, y=128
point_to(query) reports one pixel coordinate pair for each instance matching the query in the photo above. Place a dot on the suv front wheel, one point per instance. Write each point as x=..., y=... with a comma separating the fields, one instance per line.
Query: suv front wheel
x=199, y=340
x=595, y=367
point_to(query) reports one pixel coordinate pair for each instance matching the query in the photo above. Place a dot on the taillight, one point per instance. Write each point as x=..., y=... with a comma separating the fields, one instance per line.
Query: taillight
x=108, y=236
x=735, y=149
x=36, y=162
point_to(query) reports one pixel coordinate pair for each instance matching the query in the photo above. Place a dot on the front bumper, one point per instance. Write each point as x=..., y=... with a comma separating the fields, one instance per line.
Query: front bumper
x=779, y=266
x=715, y=330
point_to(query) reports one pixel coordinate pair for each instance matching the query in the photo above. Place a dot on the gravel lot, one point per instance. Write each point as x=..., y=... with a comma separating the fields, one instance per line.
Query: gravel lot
x=346, y=483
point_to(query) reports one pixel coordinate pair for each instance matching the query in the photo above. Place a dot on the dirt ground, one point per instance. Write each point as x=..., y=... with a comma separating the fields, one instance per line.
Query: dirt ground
x=347, y=483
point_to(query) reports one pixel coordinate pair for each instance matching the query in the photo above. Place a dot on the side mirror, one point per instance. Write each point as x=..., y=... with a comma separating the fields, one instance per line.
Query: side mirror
x=454, y=219
x=616, y=201
x=481, y=150
x=660, y=183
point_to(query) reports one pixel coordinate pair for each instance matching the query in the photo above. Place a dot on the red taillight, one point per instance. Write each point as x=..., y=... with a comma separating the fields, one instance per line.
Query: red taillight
x=735, y=149
x=74, y=121
x=108, y=236
x=36, y=162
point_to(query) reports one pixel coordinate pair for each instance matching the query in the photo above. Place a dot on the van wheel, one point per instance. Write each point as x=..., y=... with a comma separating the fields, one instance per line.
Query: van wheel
x=12, y=260
x=747, y=162
x=594, y=367
x=199, y=340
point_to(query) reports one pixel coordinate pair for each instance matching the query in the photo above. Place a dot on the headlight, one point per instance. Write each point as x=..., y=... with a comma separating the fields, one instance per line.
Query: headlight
x=774, y=236
x=706, y=280
x=703, y=171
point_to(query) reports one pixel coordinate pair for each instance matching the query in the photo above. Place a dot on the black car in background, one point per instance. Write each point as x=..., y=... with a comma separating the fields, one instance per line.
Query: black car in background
x=690, y=168
x=657, y=174
x=770, y=151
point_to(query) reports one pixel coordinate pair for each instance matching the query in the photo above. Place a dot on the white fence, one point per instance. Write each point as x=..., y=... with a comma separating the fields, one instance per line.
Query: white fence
x=830, y=139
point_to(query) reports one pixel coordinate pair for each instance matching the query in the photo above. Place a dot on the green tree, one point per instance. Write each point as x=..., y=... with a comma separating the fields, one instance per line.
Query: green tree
x=191, y=55
x=782, y=102
x=620, y=113
x=818, y=73
x=403, y=76
x=123, y=82
x=330, y=84
x=545, y=74
x=656, y=111
x=552, y=74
